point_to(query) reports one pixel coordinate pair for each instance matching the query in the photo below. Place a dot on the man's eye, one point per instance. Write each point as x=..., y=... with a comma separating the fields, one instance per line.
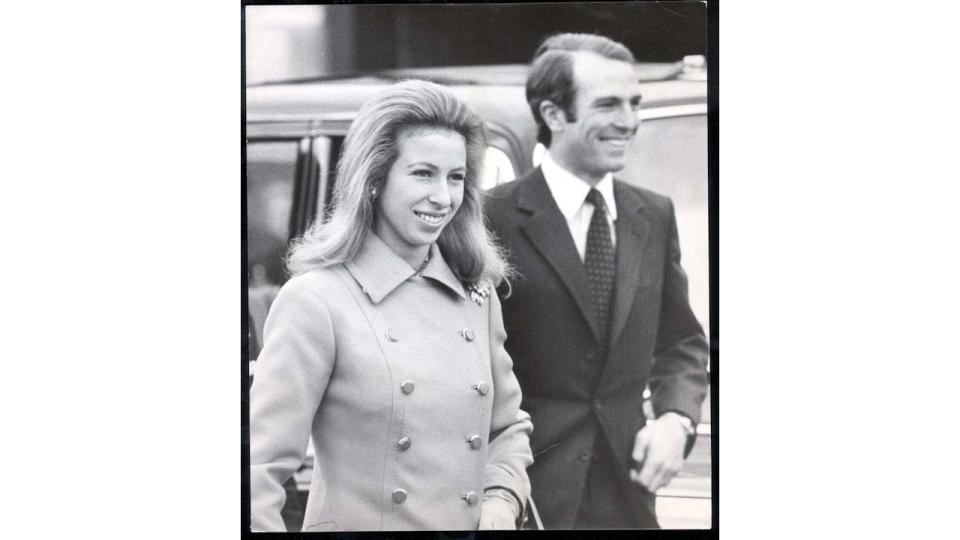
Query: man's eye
x=635, y=103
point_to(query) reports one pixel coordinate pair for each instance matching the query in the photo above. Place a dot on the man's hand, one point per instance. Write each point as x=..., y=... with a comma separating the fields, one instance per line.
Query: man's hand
x=658, y=451
x=496, y=513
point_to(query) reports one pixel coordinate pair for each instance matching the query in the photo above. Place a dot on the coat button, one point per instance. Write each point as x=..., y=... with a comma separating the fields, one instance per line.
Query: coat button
x=591, y=355
x=471, y=497
x=399, y=495
x=467, y=334
x=407, y=386
x=584, y=455
x=597, y=405
x=482, y=387
x=475, y=441
x=391, y=335
x=404, y=443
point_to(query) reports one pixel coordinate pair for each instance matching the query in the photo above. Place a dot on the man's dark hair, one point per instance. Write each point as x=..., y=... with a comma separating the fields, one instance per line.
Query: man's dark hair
x=551, y=73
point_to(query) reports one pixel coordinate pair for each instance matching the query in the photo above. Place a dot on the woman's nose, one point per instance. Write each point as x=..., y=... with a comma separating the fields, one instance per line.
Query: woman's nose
x=440, y=195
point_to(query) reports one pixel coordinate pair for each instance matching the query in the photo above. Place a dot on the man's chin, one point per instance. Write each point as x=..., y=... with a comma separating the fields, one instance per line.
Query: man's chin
x=612, y=160
x=615, y=165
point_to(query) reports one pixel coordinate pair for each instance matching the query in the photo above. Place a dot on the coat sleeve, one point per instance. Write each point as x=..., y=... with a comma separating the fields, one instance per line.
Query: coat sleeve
x=292, y=372
x=678, y=379
x=510, y=427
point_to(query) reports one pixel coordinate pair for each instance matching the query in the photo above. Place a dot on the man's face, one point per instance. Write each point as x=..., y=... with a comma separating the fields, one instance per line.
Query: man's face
x=606, y=106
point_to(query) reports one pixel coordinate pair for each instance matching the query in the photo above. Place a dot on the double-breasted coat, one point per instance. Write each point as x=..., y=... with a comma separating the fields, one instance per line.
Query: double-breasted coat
x=403, y=381
x=581, y=391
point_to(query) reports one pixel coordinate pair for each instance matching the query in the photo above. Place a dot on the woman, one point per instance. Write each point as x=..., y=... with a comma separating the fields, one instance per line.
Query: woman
x=386, y=344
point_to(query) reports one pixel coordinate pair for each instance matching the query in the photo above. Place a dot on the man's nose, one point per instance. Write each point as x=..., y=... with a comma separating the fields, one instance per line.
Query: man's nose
x=627, y=118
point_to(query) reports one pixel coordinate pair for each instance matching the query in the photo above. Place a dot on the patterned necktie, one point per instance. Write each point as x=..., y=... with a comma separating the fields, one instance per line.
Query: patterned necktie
x=599, y=262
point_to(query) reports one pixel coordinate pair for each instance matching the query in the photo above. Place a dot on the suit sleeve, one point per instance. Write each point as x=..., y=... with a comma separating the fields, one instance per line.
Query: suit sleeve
x=292, y=372
x=509, y=454
x=678, y=380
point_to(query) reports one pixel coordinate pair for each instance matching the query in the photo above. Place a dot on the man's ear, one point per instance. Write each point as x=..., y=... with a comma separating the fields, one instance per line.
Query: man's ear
x=553, y=115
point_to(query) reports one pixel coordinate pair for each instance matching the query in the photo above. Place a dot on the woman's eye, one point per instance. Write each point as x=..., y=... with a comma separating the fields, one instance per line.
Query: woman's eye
x=458, y=177
x=422, y=172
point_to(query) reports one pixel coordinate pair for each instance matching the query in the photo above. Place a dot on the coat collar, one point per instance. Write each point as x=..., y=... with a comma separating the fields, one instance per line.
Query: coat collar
x=632, y=231
x=379, y=270
x=570, y=191
x=547, y=230
x=559, y=250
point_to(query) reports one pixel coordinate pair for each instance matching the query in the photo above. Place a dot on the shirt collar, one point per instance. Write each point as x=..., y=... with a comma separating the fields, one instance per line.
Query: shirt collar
x=570, y=191
x=379, y=270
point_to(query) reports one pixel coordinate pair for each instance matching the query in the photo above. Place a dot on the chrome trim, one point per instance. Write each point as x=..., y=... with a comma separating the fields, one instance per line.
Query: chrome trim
x=318, y=121
x=321, y=153
x=300, y=117
x=673, y=110
x=298, y=125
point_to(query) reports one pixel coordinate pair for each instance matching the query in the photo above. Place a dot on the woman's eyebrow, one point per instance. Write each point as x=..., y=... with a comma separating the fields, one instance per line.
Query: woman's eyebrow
x=421, y=164
x=432, y=166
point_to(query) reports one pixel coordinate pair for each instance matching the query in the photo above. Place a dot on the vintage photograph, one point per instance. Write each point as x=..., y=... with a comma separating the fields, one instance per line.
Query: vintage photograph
x=477, y=251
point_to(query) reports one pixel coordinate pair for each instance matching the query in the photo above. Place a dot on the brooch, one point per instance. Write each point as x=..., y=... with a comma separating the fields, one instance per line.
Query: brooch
x=479, y=292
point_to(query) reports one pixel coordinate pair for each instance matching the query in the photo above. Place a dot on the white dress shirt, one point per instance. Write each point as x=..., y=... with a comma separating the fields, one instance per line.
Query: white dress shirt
x=570, y=193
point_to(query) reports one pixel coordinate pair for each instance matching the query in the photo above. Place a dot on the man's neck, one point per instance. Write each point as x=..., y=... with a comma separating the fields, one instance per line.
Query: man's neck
x=590, y=180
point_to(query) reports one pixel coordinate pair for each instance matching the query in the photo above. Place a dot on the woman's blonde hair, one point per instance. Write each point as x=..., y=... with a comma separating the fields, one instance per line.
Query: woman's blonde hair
x=369, y=151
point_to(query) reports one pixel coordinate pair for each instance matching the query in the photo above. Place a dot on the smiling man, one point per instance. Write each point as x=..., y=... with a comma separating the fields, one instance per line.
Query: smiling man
x=600, y=309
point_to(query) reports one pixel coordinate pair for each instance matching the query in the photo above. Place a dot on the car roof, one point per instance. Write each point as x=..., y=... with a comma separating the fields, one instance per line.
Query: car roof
x=496, y=91
x=327, y=105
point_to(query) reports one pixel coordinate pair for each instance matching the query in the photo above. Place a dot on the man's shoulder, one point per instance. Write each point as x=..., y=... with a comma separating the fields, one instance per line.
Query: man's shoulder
x=642, y=196
x=504, y=198
x=503, y=192
x=509, y=191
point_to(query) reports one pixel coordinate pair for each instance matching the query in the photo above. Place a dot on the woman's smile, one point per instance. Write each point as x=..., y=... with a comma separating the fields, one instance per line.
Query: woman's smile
x=423, y=191
x=430, y=217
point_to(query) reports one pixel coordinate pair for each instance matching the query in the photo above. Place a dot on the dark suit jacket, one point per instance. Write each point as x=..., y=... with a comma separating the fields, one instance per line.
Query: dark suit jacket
x=552, y=337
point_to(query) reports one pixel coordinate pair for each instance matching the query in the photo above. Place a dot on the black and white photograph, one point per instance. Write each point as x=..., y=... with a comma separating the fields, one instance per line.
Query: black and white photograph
x=477, y=255
x=453, y=270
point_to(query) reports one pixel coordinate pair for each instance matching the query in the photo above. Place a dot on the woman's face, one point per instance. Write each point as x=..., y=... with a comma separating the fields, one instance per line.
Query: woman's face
x=424, y=190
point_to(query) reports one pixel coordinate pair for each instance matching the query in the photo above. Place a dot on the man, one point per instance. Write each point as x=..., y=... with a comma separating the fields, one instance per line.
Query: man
x=599, y=309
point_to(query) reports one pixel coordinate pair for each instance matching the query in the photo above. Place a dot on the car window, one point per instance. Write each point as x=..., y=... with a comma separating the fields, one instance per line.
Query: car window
x=538, y=151
x=270, y=176
x=669, y=156
x=497, y=168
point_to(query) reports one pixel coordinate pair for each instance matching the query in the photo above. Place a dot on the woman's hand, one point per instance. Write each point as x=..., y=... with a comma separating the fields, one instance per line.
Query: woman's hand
x=497, y=513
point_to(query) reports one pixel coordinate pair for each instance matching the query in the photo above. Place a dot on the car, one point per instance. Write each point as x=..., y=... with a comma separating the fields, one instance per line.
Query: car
x=294, y=134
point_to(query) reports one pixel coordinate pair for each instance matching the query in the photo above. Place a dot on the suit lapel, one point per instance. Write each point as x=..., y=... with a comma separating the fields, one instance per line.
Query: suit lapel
x=632, y=230
x=547, y=230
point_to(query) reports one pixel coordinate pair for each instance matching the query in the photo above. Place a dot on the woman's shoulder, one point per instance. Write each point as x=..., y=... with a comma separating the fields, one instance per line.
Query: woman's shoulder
x=317, y=285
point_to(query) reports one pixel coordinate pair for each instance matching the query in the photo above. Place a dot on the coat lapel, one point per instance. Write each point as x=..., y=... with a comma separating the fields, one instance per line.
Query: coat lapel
x=548, y=231
x=632, y=231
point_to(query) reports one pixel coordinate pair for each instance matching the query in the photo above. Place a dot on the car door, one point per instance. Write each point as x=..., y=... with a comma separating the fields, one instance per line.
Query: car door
x=289, y=171
x=670, y=156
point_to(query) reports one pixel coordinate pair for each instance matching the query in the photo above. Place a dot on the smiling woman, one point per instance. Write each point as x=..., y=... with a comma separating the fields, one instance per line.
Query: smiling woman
x=371, y=148
x=386, y=345
x=423, y=191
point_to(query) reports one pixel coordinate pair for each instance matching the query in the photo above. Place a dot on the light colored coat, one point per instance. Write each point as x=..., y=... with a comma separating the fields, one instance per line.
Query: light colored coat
x=371, y=358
